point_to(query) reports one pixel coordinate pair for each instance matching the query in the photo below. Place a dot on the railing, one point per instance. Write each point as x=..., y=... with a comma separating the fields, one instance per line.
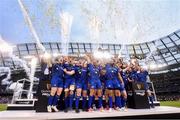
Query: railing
x=20, y=95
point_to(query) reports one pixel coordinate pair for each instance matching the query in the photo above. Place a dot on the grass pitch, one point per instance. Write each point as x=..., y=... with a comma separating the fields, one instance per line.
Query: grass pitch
x=3, y=107
x=170, y=103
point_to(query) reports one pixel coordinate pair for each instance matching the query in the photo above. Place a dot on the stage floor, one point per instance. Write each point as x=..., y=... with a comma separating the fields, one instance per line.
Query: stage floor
x=32, y=115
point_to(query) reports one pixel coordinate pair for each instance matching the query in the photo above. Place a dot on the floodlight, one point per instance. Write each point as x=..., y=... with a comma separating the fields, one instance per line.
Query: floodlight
x=56, y=54
x=46, y=55
x=152, y=66
x=28, y=57
x=98, y=54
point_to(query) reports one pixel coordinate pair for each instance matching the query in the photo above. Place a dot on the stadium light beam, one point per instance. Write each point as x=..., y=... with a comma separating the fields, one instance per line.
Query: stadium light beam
x=32, y=29
x=4, y=47
x=133, y=61
x=102, y=54
x=56, y=54
x=152, y=66
x=161, y=65
x=107, y=55
x=94, y=25
x=28, y=57
x=98, y=54
x=65, y=22
x=46, y=55
x=33, y=69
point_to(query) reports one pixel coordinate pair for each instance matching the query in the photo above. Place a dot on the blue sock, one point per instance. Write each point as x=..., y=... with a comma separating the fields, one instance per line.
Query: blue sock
x=119, y=104
x=77, y=102
x=151, y=100
x=84, y=102
x=110, y=102
x=50, y=100
x=55, y=101
x=90, y=101
x=116, y=104
x=100, y=102
x=93, y=99
x=123, y=101
x=66, y=99
x=71, y=100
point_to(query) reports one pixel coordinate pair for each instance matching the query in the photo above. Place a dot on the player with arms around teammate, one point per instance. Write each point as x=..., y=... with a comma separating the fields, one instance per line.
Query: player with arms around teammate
x=84, y=83
x=122, y=80
x=81, y=83
x=95, y=83
x=69, y=83
x=56, y=84
x=78, y=84
x=112, y=85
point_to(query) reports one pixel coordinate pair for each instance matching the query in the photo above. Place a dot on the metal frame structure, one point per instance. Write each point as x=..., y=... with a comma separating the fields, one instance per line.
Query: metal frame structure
x=21, y=91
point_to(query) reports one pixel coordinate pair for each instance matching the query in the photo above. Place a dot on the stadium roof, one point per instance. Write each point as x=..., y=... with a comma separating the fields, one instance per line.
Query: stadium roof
x=160, y=55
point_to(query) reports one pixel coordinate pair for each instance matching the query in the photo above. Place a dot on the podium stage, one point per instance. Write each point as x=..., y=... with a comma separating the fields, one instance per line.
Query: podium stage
x=137, y=98
x=157, y=112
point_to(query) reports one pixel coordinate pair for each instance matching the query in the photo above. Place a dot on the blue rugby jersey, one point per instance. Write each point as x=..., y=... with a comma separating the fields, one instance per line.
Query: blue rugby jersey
x=124, y=76
x=57, y=70
x=94, y=72
x=111, y=72
x=77, y=72
x=84, y=75
x=68, y=67
x=142, y=76
x=133, y=75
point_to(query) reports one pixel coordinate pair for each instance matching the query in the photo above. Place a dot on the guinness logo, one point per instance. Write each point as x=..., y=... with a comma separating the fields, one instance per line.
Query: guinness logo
x=139, y=86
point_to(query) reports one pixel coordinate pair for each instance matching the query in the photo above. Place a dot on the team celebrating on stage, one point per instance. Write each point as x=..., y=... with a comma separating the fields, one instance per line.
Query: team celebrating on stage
x=89, y=79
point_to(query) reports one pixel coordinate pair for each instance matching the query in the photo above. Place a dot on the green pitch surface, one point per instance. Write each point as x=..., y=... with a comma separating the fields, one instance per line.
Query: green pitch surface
x=3, y=107
x=170, y=103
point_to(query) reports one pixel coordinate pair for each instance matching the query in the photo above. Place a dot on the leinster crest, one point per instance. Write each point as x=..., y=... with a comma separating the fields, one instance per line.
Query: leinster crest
x=139, y=86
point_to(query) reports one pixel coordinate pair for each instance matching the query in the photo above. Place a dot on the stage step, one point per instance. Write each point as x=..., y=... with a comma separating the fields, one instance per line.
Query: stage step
x=22, y=104
x=156, y=103
x=20, y=107
x=26, y=99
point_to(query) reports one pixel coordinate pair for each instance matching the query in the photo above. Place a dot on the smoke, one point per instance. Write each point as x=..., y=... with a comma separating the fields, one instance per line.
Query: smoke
x=94, y=26
x=7, y=50
x=33, y=69
x=6, y=81
x=27, y=18
x=65, y=22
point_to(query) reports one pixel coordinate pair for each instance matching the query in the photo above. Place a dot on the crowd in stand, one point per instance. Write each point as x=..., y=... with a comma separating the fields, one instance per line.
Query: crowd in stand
x=168, y=97
x=5, y=99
